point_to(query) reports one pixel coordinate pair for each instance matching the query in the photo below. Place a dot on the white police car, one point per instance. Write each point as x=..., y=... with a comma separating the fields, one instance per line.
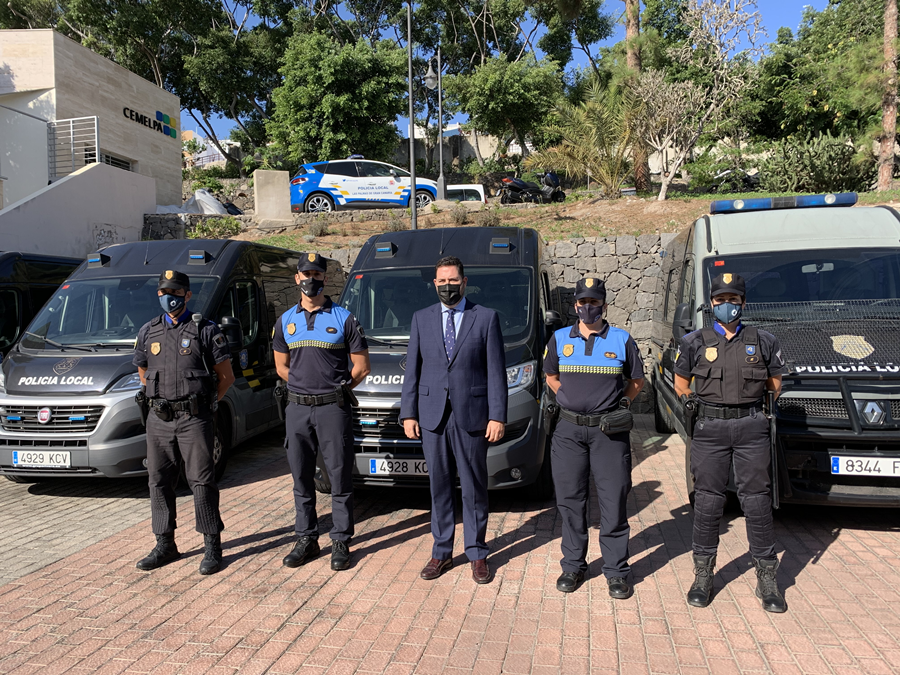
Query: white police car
x=321, y=187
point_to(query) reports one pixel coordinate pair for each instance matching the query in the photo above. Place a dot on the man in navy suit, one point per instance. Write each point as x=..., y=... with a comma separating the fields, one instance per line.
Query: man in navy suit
x=454, y=399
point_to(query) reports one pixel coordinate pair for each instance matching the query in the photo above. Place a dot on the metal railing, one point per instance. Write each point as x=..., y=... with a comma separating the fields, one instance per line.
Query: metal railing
x=72, y=144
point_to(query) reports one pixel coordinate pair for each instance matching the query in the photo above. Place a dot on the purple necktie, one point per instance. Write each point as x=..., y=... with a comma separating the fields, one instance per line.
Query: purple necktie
x=450, y=334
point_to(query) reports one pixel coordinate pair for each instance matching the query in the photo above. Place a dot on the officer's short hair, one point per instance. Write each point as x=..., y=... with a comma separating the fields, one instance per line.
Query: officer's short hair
x=450, y=261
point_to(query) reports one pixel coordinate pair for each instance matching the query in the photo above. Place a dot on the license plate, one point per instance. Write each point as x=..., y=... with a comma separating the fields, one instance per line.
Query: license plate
x=866, y=466
x=398, y=467
x=47, y=459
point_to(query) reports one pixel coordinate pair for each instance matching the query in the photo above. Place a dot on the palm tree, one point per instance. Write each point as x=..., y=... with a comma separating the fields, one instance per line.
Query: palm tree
x=597, y=137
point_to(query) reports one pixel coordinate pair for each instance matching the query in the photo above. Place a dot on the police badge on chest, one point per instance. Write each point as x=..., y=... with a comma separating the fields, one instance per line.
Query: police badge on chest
x=185, y=347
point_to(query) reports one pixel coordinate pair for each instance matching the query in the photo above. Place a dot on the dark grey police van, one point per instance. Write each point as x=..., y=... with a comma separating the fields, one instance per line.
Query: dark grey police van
x=27, y=280
x=392, y=278
x=826, y=281
x=67, y=387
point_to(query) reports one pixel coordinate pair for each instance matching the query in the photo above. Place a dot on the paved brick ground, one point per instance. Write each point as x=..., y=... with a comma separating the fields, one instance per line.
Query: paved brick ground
x=93, y=612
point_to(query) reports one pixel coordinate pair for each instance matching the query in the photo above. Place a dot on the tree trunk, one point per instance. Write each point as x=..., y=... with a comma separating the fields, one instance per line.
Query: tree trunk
x=889, y=98
x=477, y=149
x=632, y=32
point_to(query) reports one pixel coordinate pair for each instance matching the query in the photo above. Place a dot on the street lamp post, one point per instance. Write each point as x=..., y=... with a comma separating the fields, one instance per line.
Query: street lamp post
x=432, y=81
x=412, y=123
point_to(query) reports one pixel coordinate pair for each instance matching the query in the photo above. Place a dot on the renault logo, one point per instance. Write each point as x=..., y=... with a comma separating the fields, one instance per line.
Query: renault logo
x=871, y=411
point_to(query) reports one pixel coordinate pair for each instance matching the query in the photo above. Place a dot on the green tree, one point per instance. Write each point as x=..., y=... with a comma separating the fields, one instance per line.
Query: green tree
x=503, y=97
x=336, y=100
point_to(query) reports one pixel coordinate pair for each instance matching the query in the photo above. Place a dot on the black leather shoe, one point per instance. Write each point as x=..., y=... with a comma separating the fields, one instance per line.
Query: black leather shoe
x=569, y=581
x=305, y=550
x=340, y=555
x=767, y=586
x=163, y=553
x=619, y=588
x=700, y=594
x=212, y=554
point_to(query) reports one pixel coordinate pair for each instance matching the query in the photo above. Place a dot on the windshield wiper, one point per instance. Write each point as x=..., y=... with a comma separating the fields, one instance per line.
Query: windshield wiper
x=387, y=342
x=59, y=345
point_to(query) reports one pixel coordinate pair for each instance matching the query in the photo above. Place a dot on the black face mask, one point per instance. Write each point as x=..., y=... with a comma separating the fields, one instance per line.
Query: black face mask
x=311, y=287
x=450, y=294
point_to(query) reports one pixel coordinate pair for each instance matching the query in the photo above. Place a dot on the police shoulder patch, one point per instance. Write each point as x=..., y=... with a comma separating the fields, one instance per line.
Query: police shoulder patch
x=568, y=350
x=219, y=340
x=545, y=352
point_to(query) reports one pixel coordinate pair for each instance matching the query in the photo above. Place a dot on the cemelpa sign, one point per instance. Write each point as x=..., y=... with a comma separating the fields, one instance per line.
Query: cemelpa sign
x=161, y=122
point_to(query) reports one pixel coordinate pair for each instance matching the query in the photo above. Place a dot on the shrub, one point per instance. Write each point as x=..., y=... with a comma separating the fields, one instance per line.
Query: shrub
x=487, y=218
x=823, y=163
x=216, y=227
x=318, y=227
x=208, y=183
x=460, y=214
x=395, y=223
x=434, y=208
x=308, y=238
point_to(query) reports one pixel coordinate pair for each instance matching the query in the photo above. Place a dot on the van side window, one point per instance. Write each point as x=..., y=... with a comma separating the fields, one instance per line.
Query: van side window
x=281, y=295
x=248, y=309
x=10, y=316
x=687, y=288
x=671, y=291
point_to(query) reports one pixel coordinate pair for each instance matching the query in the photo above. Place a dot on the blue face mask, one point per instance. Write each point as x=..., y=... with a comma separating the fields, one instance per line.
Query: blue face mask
x=171, y=304
x=727, y=312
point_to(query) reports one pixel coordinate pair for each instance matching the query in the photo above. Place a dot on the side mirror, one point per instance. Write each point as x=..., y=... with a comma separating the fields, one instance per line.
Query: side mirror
x=393, y=173
x=231, y=327
x=683, y=323
x=552, y=319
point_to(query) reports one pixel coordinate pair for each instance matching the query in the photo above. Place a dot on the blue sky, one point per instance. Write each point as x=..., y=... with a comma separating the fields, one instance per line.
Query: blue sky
x=775, y=14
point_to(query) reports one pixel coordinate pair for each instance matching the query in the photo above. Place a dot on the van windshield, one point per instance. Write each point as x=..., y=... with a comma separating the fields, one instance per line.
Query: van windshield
x=384, y=301
x=104, y=312
x=814, y=275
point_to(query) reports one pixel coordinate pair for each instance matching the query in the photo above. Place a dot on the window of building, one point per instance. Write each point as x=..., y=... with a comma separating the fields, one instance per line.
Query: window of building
x=117, y=162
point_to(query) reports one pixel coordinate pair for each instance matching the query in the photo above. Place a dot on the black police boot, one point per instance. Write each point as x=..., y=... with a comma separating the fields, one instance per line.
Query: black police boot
x=164, y=553
x=305, y=550
x=700, y=594
x=340, y=555
x=619, y=588
x=212, y=554
x=767, y=586
x=569, y=581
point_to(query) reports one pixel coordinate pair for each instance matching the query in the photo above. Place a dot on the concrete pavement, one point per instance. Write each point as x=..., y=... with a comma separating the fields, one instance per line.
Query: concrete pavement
x=73, y=601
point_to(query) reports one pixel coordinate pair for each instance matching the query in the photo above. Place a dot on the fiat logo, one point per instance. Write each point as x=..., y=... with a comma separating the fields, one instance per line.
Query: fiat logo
x=44, y=415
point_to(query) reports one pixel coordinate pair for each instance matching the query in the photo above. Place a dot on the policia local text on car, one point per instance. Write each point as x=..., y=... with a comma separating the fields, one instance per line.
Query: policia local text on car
x=732, y=366
x=173, y=353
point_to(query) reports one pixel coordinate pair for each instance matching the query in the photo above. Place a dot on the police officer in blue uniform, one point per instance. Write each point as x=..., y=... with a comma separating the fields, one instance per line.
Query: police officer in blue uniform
x=587, y=366
x=321, y=352
x=732, y=366
x=176, y=357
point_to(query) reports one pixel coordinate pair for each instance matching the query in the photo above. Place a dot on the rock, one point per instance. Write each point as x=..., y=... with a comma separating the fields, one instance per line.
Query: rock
x=616, y=281
x=666, y=237
x=602, y=249
x=566, y=249
x=630, y=272
x=646, y=300
x=616, y=316
x=652, y=271
x=626, y=245
x=272, y=224
x=576, y=240
x=571, y=276
x=650, y=284
x=646, y=242
x=641, y=262
x=625, y=298
x=585, y=251
x=640, y=315
x=641, y=330
x=606, y=264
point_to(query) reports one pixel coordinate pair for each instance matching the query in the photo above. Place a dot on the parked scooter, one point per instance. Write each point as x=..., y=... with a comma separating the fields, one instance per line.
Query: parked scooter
x=517, y=191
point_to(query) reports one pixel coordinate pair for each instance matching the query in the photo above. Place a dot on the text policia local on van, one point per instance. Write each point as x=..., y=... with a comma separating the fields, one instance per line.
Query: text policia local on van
x=164, y=124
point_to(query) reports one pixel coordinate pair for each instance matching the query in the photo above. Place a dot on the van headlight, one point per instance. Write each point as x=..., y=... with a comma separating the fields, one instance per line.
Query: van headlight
x=128, y=383
x=521, y=375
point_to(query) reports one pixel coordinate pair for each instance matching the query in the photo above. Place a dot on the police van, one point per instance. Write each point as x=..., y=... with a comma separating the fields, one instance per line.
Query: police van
x=392, y=278
x=825, y=280
x=27, y=280
x=67, y=387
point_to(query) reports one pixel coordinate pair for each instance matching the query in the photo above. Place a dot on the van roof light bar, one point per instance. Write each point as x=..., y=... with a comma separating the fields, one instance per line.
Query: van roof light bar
x=98, y=260
x=501, y=245
x=198, y=257
x=772, y=203
x=385, y=249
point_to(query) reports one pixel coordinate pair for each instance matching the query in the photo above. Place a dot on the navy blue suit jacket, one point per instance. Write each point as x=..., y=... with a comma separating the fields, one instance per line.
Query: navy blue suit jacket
x=474, y=379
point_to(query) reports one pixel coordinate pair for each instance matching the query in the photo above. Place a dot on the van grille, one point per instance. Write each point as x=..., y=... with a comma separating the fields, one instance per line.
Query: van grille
x=63, y=418
x=895, y=410
x=377, y=423
x=826, y=408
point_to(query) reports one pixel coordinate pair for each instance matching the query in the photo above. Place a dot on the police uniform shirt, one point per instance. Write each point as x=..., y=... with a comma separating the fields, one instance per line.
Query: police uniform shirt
x=731, y=372
x=319, y=344
x=592, y=371
x=212, y=343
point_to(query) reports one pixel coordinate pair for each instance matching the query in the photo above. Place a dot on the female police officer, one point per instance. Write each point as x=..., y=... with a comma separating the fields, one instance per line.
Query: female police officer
x=586, y=367
x=173, y=354
x=732, y=365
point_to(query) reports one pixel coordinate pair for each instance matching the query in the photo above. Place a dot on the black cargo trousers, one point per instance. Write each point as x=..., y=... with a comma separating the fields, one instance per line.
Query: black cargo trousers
x=715, y=445
x=189, y=438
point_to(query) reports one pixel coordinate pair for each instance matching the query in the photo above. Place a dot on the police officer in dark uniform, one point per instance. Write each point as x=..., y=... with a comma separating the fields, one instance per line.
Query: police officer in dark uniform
x=321, y=352
x=176, y=357
x=587, y=366
x=732, y=366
